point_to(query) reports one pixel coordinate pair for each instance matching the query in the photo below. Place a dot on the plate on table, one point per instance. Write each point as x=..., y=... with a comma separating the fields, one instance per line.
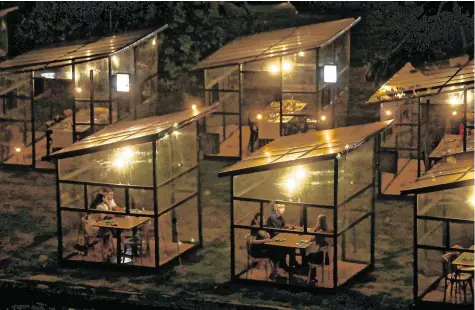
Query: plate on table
x=279, y=239
x=467, y=258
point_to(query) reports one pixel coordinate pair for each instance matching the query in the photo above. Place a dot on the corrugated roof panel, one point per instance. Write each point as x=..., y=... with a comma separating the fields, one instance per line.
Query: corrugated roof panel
x=51, y=57
x=143, y=130
x=449, y=171
x=276, y=43
x=313, y=145
x=409, y=78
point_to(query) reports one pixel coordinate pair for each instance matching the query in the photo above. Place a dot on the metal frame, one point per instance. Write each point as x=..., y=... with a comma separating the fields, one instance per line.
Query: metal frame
x=335, y=235
x=317, y=93
x=155, y=216
x=91, y=101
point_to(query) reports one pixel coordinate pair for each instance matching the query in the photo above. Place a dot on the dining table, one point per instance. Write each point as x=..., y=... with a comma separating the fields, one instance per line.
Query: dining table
x=293, y=241
x=466, y=259
x=121, y=223
x=451, y=144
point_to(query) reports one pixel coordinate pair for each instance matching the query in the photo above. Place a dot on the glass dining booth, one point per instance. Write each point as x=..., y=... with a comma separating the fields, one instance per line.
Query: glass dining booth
x=129, y=194
x=55, y=96
x=444, y=231
x=302, y=208
x=272, y=84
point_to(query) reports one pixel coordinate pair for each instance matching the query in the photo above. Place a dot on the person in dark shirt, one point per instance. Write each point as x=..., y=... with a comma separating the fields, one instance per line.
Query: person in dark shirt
x=276, y=220
x=321, y=242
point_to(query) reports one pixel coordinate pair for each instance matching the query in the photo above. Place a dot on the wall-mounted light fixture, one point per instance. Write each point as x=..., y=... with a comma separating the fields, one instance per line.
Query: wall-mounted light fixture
x=330, y=73
x=48, y=75
x=123, y=82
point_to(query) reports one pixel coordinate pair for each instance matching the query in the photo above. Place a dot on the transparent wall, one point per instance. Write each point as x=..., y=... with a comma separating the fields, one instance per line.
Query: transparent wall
x=299, y=74
x=451, y=224
x=101, y=79
x=127, y=165
x=146, y=79
x=311, y=183
x=15, y=126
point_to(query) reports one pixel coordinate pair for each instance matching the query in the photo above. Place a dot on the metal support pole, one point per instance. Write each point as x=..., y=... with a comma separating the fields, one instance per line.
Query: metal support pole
x=373, y=197
x=415, y=282
x=231, y=216
x=281, y=118
x=200, y=210
x=335, y=223
x=58, y=215
x=155, y=203
x=73, y=77
x=419, y=137
x=317, y=85
x=465, y=118
x=33, y=120
x=91, y=100
x=136, y=90
x=109, y=67
x=240, y=109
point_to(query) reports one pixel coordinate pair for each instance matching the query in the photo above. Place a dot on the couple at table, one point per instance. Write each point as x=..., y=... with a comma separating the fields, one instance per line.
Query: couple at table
x=103, y=201
x=278, y=256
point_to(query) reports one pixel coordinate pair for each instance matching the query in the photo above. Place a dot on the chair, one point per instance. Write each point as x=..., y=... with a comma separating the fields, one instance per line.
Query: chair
x=254, y=260
x=90, y=240
x=457, y=278
x=142, y=237
x=312, y=266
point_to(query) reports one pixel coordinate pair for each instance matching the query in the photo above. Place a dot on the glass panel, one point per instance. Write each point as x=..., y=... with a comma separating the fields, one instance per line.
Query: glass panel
x=229, y=101
x=451, y=203
x=299, y=73
x=72, y=195
x=354, y=251
x=127, y=165
x=222, y=78
x=430, y=232
x=62, y=73
x=312, y=183
x=146, y=59
x=101, y=79
x=355, y=171
x=141, y=201
x=177, y=190
x=461, y=234
x=123, y=62
x=178, y=230
x=245, y=212
x=430, y=269
x=313, y=214
x=354, y=209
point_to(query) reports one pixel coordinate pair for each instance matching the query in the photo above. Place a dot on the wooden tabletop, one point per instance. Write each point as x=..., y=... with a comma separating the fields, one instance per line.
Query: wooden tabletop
x=291, y=241
x=451, y=144
x=127, y=222
x=465, y=259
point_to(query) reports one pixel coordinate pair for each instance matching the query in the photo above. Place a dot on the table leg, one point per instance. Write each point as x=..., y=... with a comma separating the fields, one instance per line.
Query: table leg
x=119, y=249
x=134, y=245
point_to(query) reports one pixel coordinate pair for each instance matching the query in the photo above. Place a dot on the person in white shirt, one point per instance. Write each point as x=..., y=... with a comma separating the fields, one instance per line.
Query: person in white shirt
x=109, y=203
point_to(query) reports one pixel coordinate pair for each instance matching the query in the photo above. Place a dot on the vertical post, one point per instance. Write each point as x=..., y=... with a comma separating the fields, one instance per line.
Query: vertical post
x=109, y=68
x=281, y=125
x=373, y=197
x=136, y=90
x=231, y=216
x=155, y=202
x=33, y=120
x=465, y=118
x=419, y=137
x=200, y=210
x=73, y=77
x=127, y=200
x=58, y=215
x=304, y=218
x=86, y=203
x=240, y=109
x=447, y=234
x=261, y=211
x=317, y=84
x=91, y=99
x=415, y=280
x=335, y=223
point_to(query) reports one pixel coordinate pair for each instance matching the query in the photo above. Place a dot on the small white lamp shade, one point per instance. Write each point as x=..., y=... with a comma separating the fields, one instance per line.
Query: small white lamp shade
x=123, y=82
x=330, y=74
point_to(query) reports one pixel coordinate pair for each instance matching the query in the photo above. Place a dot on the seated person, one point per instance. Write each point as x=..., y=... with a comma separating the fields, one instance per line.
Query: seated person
x=109, y=203
x=258, y=248
x=99, y=232
x=276, y=220
x=320, y=241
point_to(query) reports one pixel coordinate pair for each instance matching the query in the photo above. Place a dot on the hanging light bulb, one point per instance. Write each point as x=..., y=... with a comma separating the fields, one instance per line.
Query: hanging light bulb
x=323, y=118
x=259, y=116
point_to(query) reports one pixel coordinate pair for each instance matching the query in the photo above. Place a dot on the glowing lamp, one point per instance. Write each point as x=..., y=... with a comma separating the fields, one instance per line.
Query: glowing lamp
x=267, y=154
x=259, y=116
x=330, y=74
x=290, y=184
x=454, y=100
x=323, y=118
x=301, y=54
x=17, y=149
x=274, y=69
x=123, y=82
x=78, y=89
x=388, y=112
x=175, y=125
x=48, y=75
x=154, y=41
x=286, y=66
x=471, y=201
x=454, y=113
x=194, y=107
x=300, y=172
